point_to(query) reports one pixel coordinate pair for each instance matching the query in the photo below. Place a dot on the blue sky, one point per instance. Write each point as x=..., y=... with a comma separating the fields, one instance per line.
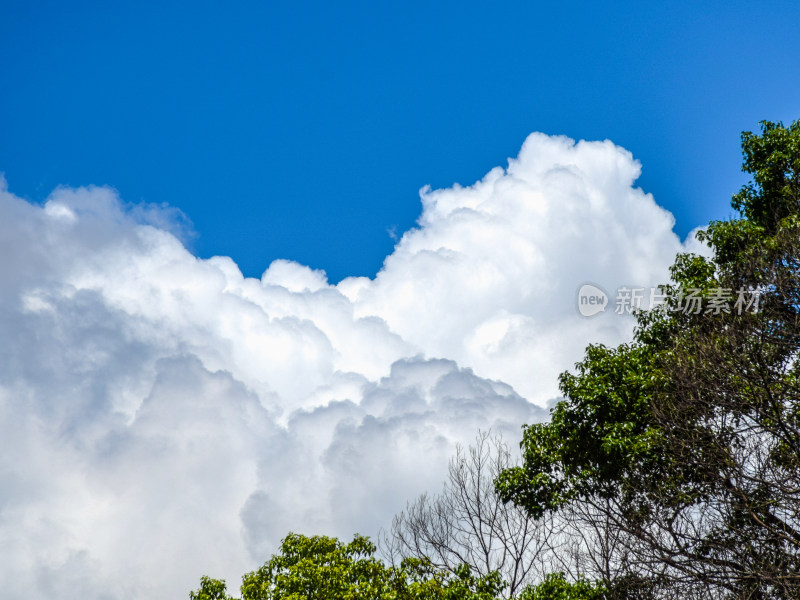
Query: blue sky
x=304, y=130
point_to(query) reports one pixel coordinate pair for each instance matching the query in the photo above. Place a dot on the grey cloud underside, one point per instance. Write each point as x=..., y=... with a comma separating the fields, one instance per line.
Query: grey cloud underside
x=163, y=417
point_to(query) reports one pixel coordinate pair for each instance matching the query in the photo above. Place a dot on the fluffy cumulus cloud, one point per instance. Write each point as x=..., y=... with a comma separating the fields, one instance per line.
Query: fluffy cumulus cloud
x=163, y=417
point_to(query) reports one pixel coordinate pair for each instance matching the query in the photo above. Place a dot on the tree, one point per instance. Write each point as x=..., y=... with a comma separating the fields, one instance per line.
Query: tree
x=687, y=440
x=322, y=568
x=556, y=587
x=467, y=523
x=210, y=589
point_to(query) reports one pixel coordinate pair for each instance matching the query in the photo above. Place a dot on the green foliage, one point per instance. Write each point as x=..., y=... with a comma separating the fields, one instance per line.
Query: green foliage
x=322, y=568
x=464, y=585
x=317, y=568
x=556, y=587
x=691, y=434
x=601, y=433
x=210, y=589
x=773, y=160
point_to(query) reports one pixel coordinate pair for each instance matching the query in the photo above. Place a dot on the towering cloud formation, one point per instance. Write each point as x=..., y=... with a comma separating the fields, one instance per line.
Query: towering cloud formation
x=163, y=417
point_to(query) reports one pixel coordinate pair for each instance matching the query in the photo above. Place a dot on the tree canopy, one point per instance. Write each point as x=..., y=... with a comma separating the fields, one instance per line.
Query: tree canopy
x=321, y=568
x=688, y=438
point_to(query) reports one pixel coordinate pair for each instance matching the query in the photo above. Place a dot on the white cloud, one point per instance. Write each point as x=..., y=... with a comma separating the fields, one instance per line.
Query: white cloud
x=163, y=417
x=490, y=278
